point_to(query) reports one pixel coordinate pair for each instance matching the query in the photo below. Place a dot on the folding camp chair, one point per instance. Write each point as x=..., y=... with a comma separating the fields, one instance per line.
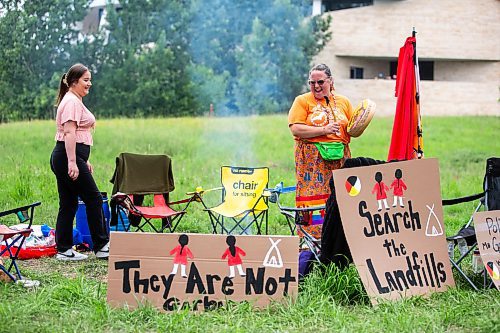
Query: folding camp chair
x=332, y=247
x=12, y=240
x=465, y=240
x=137, y=176
x=296, y=217
x=244, y=201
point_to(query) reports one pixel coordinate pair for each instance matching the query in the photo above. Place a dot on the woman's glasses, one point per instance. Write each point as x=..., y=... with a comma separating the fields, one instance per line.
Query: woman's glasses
x=320, y=82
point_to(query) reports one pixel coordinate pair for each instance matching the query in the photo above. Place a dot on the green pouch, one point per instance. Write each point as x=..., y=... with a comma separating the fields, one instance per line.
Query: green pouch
x=330, y=151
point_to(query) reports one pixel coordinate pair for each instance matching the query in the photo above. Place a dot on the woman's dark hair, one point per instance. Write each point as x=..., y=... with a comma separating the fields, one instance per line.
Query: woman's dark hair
x=323, y=68
x=183, y=241
x=378, y=177
x=73, y=75
x=398, y=174
x=231, y=240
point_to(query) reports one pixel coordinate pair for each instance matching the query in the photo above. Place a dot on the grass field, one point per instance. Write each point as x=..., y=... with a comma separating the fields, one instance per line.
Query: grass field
x=72, y=296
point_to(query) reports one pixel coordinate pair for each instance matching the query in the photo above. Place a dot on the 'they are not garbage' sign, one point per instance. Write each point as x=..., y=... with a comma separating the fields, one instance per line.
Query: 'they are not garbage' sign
x=200, y=272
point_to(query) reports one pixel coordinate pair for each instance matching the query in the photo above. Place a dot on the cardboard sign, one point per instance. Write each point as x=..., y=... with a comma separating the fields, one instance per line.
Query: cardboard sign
x=200, y=272
x=487, y=226
x=393, y=221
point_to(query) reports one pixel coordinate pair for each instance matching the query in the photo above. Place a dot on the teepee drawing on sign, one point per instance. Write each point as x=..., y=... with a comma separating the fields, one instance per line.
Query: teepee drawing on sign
x=433, y=226
x=273, y=255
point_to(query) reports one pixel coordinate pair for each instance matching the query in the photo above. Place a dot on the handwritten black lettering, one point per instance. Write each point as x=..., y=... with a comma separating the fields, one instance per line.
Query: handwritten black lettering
x=126, y=266
x=194, y=279
x=286, y=279
x=255, y=283
x=424, y=272
x=387, y=223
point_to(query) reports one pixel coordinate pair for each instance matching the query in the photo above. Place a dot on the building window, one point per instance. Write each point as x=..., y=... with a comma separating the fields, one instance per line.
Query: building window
x=393, y=69
x=356, y=72
x=426, y=69
x=99, y=14
x=330, y=5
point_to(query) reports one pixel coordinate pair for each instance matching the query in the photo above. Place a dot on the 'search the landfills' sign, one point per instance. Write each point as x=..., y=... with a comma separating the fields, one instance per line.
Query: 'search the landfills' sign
x=200, y=272
x=487, y=225
x=393, y=221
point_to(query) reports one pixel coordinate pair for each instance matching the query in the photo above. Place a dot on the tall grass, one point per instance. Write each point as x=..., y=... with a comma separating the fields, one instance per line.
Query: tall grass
x=200, y=146
x=72, y=296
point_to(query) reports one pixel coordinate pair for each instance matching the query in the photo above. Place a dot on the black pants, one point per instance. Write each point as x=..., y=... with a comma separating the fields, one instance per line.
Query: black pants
x=69, y=191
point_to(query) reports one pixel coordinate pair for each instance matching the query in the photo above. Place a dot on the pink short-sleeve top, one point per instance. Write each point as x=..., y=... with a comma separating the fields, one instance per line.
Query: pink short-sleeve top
x=72, y=108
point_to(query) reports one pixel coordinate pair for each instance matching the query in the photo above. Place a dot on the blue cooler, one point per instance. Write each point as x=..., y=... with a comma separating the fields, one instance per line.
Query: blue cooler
x=81, y=219
x=123, y=223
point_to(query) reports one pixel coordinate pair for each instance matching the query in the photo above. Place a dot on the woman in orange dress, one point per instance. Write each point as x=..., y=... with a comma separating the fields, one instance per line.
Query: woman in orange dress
x=318, y=116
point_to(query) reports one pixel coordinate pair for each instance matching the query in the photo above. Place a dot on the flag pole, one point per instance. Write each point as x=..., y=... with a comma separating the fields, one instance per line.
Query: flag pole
x=420, y=152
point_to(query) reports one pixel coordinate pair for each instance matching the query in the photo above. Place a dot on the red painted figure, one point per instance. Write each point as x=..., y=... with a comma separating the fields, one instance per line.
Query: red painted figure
x=398, y=186
x=381, y=189
x=233, y=254
x=182, y=253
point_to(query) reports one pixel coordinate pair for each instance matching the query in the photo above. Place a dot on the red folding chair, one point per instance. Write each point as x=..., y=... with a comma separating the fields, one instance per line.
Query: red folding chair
x=141, y=216
x=11, y=240
x=137, y=176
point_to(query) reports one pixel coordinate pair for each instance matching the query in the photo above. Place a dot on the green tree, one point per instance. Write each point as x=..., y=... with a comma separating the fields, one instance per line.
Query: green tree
x=141, y=70
x=159, y=57
x=262, y=49
x=210, y=87
x=274, y=58
x=216, y=31
x=36, y=42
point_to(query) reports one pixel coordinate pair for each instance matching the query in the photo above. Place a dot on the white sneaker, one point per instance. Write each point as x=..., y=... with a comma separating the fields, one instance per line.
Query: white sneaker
x=71, y=255
x=103, y=253
x=28, y=283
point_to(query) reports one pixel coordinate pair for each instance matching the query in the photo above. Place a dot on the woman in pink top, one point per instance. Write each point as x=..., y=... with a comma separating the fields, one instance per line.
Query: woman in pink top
x=70, y=163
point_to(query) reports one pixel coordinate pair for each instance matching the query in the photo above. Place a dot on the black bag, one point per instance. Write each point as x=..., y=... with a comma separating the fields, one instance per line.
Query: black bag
x=334, y=247
x=492, y=184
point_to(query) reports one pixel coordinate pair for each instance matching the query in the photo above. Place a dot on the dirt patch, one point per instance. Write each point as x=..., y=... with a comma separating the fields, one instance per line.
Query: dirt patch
x=3, y=277
x=91, y=268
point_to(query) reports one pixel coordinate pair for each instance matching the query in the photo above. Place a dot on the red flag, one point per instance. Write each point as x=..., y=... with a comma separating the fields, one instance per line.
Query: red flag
x=406, y=141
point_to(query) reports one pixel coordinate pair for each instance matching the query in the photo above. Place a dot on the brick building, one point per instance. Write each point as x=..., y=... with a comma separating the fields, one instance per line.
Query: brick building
x=457, y=45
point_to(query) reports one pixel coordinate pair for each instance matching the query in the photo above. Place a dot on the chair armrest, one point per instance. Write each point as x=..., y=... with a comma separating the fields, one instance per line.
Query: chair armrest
x=302, y=209
x=448, y=202
x=298, y=214
x=275, y=192
x=18, y=209
x=266, y=193
x=199, y=190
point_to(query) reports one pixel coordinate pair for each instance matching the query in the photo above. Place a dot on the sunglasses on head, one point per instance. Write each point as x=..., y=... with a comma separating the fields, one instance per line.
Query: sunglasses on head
x=320, y=82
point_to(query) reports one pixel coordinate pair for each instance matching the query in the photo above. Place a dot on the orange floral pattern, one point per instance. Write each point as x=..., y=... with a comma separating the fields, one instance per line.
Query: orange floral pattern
x=313, y=175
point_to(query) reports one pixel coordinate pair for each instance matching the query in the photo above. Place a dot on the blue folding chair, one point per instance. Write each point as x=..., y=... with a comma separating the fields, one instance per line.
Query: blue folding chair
x=297, y=217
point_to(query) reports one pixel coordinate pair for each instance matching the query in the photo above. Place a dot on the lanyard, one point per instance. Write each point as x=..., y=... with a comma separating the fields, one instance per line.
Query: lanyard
x=331, y=112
